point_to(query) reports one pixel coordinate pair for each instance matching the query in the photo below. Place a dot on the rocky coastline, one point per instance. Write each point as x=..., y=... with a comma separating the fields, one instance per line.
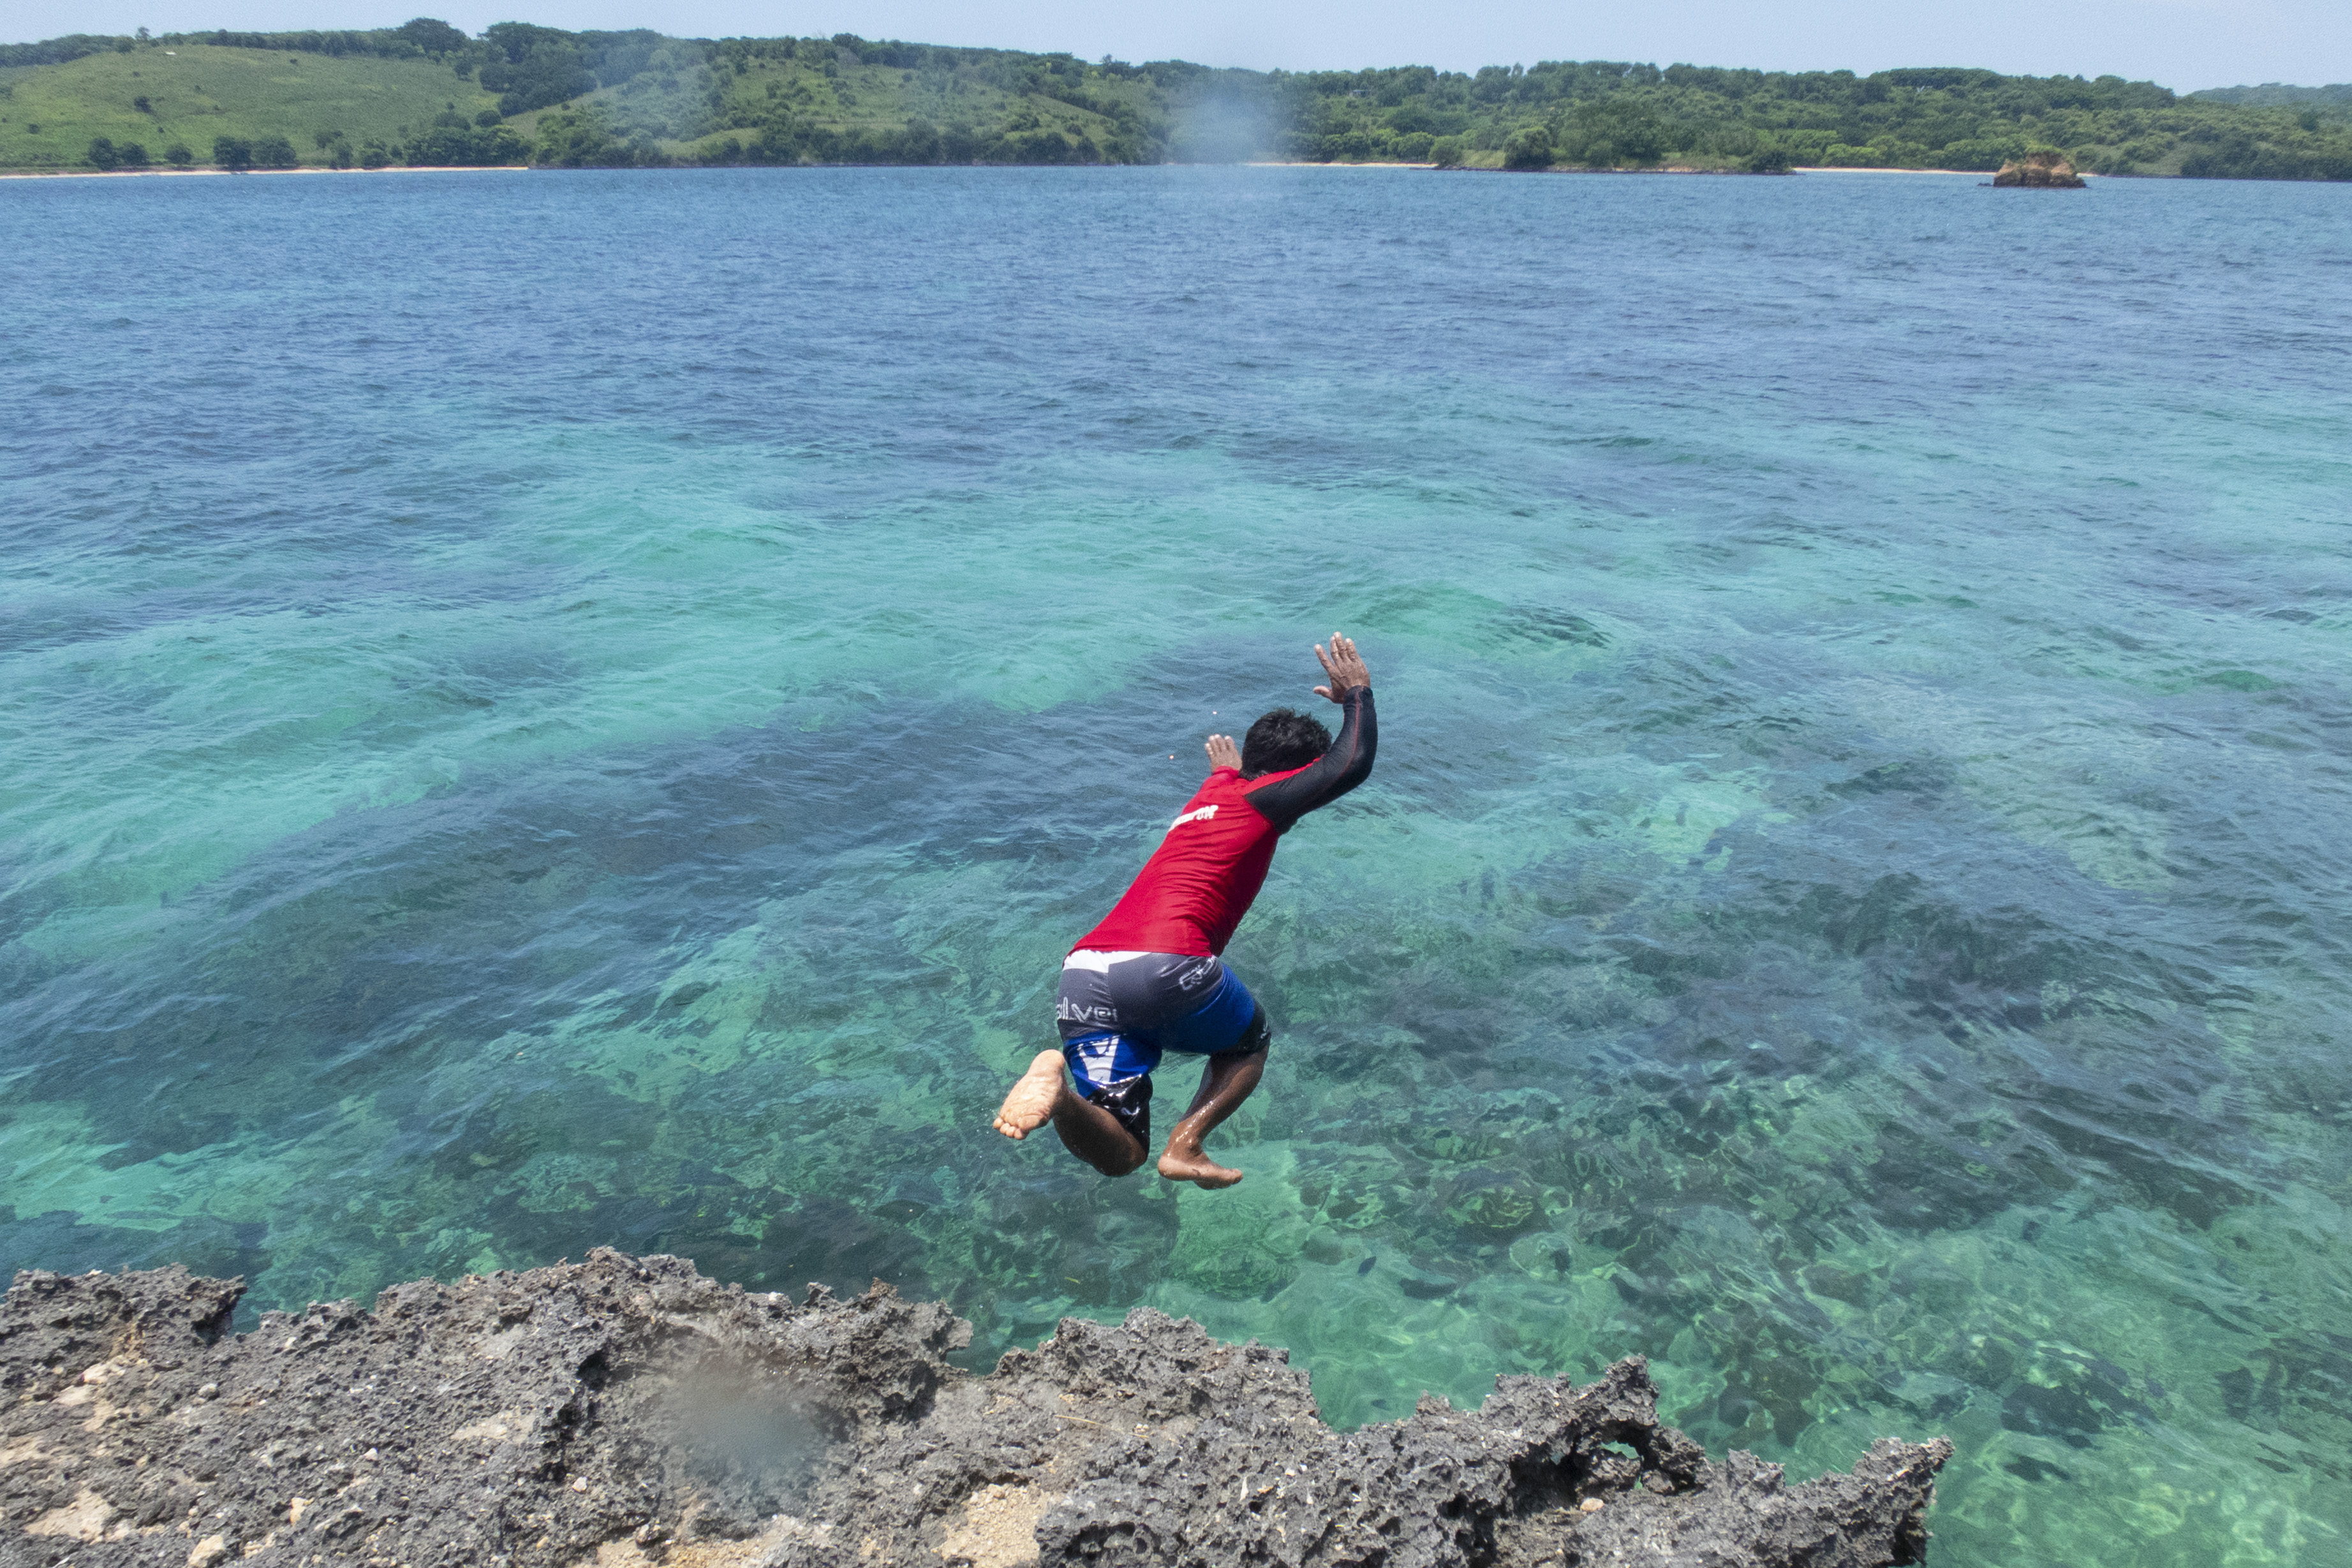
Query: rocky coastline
x=627, y=1411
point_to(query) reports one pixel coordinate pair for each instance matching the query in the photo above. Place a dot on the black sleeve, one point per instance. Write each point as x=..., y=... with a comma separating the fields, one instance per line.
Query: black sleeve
x=1332, y=774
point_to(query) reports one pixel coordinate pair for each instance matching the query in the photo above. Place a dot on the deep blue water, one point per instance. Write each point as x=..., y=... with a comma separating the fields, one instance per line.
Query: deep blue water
x=552, y=710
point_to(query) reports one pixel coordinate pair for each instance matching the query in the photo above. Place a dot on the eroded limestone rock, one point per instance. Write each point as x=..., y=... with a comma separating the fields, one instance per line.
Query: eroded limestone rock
x=627, y=1411
x=2040, y=171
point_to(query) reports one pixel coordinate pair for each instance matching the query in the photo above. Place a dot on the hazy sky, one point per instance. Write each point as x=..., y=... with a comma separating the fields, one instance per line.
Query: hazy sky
x=2184, y=44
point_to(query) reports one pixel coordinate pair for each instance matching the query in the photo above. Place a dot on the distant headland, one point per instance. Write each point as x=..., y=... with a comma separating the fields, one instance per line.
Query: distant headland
x=426, y=95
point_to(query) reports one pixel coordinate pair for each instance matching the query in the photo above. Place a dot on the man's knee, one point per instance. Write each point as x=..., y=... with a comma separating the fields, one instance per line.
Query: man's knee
x=1124, y=1165
x=1122, y=1115
x=1132, y=1147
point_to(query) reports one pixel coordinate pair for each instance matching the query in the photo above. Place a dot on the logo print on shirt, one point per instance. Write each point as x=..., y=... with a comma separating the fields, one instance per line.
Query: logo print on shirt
x=1202, y=815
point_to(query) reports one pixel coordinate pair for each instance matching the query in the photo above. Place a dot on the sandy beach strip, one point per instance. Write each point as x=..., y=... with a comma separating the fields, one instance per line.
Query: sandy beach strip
x=1826, y=169
x=525, y=168
x=184, y=173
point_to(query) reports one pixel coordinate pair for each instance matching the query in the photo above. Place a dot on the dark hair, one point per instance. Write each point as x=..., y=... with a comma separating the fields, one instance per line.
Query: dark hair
x=1281, y=741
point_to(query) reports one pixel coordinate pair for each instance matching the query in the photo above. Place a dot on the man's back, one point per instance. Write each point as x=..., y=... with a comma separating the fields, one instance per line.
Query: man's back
x=1208, y=866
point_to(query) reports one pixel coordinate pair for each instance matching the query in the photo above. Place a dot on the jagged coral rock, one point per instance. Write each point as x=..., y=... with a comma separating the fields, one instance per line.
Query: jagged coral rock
x=2040, y=171
x=626, y=1411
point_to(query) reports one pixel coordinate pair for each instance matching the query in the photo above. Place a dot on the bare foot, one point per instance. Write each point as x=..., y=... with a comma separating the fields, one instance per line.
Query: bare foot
x=1192, y=1165
x=1030, y=1105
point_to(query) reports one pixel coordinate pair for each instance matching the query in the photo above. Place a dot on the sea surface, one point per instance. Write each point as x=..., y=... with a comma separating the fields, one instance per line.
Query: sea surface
x=551, y=711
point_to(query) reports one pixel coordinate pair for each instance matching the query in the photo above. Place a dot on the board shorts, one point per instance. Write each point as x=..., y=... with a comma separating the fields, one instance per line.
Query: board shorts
x=1121, y=1012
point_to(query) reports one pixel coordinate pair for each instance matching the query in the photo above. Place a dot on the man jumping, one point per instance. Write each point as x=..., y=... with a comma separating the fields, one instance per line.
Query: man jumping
x=1148, y=979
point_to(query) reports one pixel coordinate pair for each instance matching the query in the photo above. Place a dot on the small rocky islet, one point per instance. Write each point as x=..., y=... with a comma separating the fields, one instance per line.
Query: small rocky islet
x=624, y=1410
x=2039, y=172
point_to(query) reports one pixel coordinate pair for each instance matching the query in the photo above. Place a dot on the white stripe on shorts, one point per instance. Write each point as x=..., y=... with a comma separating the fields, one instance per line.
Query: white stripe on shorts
x=1099, y=963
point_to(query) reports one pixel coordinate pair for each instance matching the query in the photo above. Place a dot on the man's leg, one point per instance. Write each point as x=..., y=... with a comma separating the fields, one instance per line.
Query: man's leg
x=1225, y=1082
x=1044, y=1094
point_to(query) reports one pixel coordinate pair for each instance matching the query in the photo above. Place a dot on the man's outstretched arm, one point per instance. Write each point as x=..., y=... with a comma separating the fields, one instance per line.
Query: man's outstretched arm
x=1349, y=760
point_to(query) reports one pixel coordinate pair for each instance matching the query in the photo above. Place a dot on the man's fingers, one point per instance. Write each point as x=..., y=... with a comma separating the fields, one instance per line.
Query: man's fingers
x=1341, y=664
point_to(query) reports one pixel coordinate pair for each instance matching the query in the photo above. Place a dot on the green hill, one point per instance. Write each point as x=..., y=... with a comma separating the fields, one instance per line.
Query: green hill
x=190, y=95
x=2336, y=96
x=425, y=93
x=1599, y=114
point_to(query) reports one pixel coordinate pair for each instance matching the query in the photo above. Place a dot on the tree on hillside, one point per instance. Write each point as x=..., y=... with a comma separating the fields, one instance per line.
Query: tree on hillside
x=532, y=66
x=274, y=153
x=102, y=154
x=178, y=155
x=468, y=146
x=435, y=37
x=1608, y=133
x=1529, y=147
x=234, y=153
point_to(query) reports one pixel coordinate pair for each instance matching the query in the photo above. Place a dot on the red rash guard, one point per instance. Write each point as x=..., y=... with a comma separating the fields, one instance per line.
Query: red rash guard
x=1200, y=882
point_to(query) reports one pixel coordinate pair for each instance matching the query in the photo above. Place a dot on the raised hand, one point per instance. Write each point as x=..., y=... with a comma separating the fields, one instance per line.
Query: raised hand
x=1344, y=666
x=1224, y=753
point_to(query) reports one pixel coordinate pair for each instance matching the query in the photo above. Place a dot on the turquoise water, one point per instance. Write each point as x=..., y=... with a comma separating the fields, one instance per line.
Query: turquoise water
x=557, y=709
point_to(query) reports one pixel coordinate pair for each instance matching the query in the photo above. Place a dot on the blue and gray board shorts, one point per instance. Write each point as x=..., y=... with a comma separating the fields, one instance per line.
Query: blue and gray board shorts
x=1121, y=1012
